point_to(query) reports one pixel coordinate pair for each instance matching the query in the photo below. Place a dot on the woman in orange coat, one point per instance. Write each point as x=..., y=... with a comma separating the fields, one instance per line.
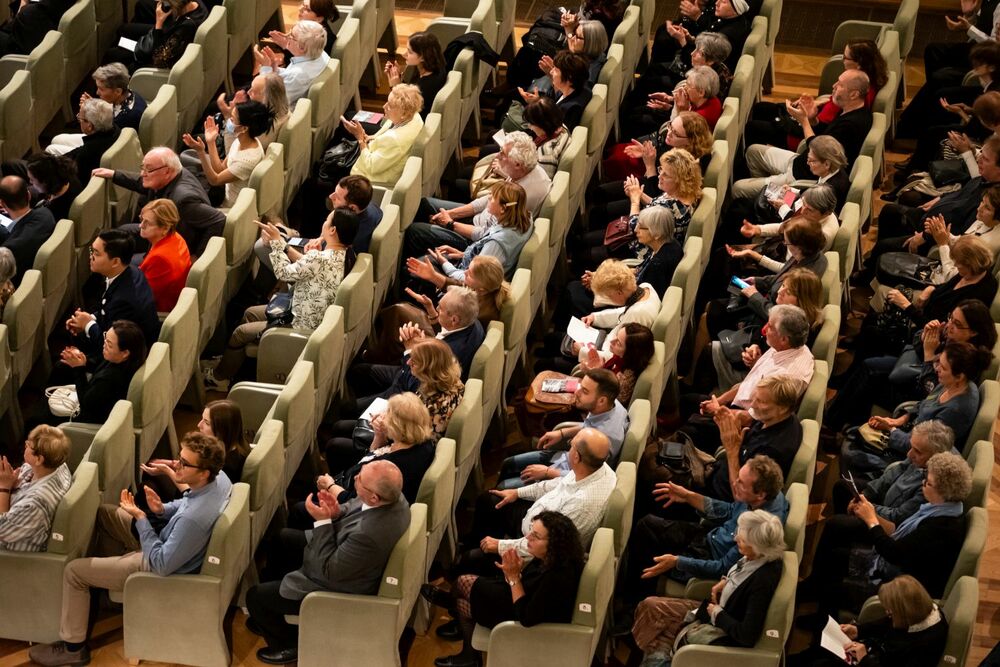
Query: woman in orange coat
x=168, y=261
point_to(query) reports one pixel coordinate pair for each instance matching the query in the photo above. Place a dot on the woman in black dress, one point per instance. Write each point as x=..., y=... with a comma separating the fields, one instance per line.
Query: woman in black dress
x=539, y=589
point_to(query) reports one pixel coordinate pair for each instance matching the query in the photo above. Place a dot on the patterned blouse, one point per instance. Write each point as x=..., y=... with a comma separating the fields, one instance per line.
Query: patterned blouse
x=441, y=405
x=316, y=277
x=682, y=218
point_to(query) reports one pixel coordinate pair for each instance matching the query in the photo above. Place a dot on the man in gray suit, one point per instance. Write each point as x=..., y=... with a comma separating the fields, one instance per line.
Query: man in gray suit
x=346, y=552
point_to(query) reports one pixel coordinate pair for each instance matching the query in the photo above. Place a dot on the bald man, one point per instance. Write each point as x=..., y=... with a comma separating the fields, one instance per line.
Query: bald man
x=345, y=552
x=163, y=177
x=29, y=227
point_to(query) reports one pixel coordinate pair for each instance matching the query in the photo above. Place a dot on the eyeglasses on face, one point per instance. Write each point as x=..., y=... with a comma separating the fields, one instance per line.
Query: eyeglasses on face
x=181, y=463
x=147, y=170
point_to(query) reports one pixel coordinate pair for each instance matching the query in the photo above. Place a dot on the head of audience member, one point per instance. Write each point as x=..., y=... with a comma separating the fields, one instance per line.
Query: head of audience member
x=804, y=289
x=710, y=48
x=45, y=449
x=253, y=118
x=972, y=257
x=787, y=328
x=51, y=175
x=818, y=202
x=124, y=343
x=554, y=541
x=971, y=322
x=95, y=115
x=589, y=39
x=863, y=54
x=14, y=195
x=406, y=420
x=588, y=450
x=688, y=130
x=423, y=51
x=508, y=204
x=680, y=176
x=269, y=90
x=307, y=38
x=340, y=228
x=948, y=479
x=961, y=363
x=613, y=9
x=986, y=109
x=774, y=399
x=985, y=60
x=597, y=391
x=404, y=102
x=112, y=82
x=760, y=535
x=379, y=483
x=200, y=460
x=224, y=420
x=759, y=481
x=655, y=227
x=518, y=156
x=8, y=266
x=111, y=252
x=803, y=238
x=458, y=308
x=927, y=439
x=544, y=118
x=730, y=9
x=158, y=220
x=850, y=90
x=988, y=211
x=615, y=281
x=633, y=345
x=353, y=193
x=988, y=160
x=702, y=84
x=570, y=72
x=906, y=602
x=485, y=277
x=320, y=11
x=160, y=166
x=826, y=156
x=434, y=364
x=177, y=7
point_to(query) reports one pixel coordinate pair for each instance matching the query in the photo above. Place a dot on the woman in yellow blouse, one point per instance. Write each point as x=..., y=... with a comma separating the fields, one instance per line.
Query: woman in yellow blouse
x=384, y=153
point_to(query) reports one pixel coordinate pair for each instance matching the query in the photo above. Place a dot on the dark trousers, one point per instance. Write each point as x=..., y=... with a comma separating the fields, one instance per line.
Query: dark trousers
x=899, y=220
x=654, y=536
x=267, y=608
x=368, y=382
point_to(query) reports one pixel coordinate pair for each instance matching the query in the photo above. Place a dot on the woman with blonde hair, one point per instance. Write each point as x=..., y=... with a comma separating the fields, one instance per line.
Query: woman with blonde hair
x=384, y=153
x=441, y=387
x=168, y=261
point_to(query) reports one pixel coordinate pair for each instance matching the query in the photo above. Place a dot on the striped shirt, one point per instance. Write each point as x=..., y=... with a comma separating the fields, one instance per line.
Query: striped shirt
x=25, y=526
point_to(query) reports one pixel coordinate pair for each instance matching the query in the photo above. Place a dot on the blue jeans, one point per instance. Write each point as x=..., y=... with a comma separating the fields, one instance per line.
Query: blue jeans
x=512, y=466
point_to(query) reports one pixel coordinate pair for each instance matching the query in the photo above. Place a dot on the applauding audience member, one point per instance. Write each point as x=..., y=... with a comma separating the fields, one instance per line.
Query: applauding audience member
x=29, y=495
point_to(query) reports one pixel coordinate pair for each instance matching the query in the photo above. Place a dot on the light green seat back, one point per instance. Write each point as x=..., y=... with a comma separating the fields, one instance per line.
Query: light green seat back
x=640, y=422
x=385, y=249
x=9, y=408
x=437, y=493
x=15, y=106
x=208, y=277
x=487, y=366
x=594, y=119
x=981, y=462
x=448, y=104
x=649, y=384
x=825, y=345
x=240, y=233
x=971, y=553
x=263, y=473
x=428, y=148
x=905, y=24
x=240, y=15
x=727, y=127
x=756, y=46
x=612, y=76
x=703, y=223
x=573, y=161
x=269, y=14
x=296, y=408
x=324, y=349
x=355, y=295
x=874, y=143
x=89, y=213
x=406, y=192
x=667, y=326
x=803, y=468
x=364, y=12
x=778, y=622
x=73, y=523
x=124, y=155
x=149, y=393
x=109, y=15
x=620, y=505
x=229, y=547
x=466, y=429
x=55, y=262
x=982, y=427
x=324, y=94
x=718, y=172
x=177, y=332
x=960, y=608
x=627, y=35
x=48, y=79
x=296, y=137
x=516, y=317
x=845, y=243
x=113, y=451
x=555, y=208
x=687, y=275
x=347, y=49
x=268, y=181
x=213, y=38
x=78, y=27
x=187, y=75
x=468, y=66
x=993, y=372
x=24, y=317
x=795, y=523
x=158, y=126
x=535, y=258
x=742, y=87
x=814, y=399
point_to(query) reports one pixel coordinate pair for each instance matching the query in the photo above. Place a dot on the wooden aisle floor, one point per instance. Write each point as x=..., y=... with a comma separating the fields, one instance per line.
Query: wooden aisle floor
x=795, y=70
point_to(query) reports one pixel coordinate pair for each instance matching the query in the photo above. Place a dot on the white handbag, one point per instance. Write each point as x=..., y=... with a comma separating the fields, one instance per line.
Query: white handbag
x=63, y=401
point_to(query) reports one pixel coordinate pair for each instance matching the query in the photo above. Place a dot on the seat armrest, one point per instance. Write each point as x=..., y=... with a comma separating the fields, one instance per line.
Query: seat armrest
x=695, y=655
x=545, y=643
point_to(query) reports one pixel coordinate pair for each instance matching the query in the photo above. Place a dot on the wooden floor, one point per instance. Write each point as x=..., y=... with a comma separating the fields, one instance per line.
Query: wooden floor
x=794, y=72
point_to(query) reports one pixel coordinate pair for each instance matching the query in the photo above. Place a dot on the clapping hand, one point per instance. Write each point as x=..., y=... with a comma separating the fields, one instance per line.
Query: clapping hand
x=511, y=564
x=279, y=38
x=73, y=357
x=409, y=334
x=960, y=142
x=326, y=508
x=528, y=97
x=424, y=301
x=669, y=493
x=546, y=63
x=710, y=407
x=750, y=355
x=913, y=243
x=936, y=227
x=353, y=127
x=633, y=189
x=195, y=143
x=153, y=501
x=749, y=230
x=78, y=321
x=127, y=503
x=959, y=23
x=421, y=268
x=392, y=73
x=660, y=101
x=8, y=475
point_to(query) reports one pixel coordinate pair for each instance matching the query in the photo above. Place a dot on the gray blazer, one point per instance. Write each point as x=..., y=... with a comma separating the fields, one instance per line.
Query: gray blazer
x=349, y=555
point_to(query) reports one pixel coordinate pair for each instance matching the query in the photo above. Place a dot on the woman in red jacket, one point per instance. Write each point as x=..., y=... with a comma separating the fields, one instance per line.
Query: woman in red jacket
x=168, y=261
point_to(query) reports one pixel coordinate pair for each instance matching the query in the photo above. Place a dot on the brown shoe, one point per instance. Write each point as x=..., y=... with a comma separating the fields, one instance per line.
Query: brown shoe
x=56, y=655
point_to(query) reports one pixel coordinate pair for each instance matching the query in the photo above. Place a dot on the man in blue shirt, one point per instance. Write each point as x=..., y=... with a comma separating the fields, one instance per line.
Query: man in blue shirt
x=178, y=547
x=684, y=549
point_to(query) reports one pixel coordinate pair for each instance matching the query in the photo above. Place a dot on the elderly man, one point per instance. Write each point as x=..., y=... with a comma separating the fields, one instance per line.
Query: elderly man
x=163, y=177
x=305, y=42
x=786, y=333
x=177, y=548
x=686, y=549
x=597, y=395
x=517, y=162
x=771, y=165
x=345, y=552
x=97, y=121
x=29, y=227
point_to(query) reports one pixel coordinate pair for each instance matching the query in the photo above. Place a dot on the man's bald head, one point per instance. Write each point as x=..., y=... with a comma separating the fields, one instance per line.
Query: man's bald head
x=855, y=80
x=593, y=447
x=14, y=193
x=385, y=480
x=164, y=156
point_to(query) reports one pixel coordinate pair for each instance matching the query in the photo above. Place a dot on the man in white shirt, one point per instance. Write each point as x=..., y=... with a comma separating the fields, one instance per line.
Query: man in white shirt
x=305, y=42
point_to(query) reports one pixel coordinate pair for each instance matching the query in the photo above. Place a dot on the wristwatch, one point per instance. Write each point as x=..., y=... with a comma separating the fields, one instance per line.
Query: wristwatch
x=450, y=226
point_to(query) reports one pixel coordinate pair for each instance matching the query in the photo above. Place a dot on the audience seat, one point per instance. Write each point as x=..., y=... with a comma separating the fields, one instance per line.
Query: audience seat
x=124, y=155
x=89, y=213
x=240, y=18
x=983, y=426
x=407, y=192
x=356, y=295
x=555, y=208
x=488, y=367
x=78, y=26
x=573, y=161
x=626, y=34
x=686, y=276
x=208, y=277
x=296, y=138
x=149, y=392
x=240, y=234
x=158, y=126
x=813, y=401
x=594, y=119
x=437, y=493
x=466, y=428
x=619, y=508
x=263, y=472
x=612, y=76
x=535, y=258
x=803, y=468
x=110, y=446
x=516, y=317
x=825, y=345
x=176, y=332
x=347, y=50
x=11, y=421
x=428, y=148
x=54, y=261
x=649, y=384
x=269, y=15
x=719, y=173
x=324, y=95
x=448, y=104
x=213, y=38
x=981, y=462
x=268, y=181
x=24, y=317
x=727, y=128
x=15, y=106
x=187, y=76
x=109, y=15
x=703, y=223
x=386, y=252
x=641, y=419
x=48, y=82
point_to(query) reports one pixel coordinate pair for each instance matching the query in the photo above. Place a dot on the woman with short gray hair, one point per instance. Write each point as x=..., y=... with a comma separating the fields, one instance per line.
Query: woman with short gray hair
x=127, y=106
x=735, y=611
x=661, y=253
x=96, y=118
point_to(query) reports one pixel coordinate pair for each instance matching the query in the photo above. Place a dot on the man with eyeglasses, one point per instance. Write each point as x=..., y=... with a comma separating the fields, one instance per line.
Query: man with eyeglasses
x=163, y=177
x=177, y=548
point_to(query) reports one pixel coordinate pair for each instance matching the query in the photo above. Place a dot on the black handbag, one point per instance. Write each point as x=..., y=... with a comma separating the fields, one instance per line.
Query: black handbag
x=363, y=435
x=338, y=160
x=734, y=342
x=905, y=268
x=893, y=324
x=279, y=310
x=948, y=172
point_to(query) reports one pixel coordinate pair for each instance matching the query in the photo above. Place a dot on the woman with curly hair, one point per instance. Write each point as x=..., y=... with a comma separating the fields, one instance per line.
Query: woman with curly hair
x=541, y=589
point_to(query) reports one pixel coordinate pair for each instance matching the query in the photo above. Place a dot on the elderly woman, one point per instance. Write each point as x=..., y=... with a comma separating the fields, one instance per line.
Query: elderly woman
x=698, y=92
x=540, y=589
x=588, y=40
x=269, y=90
x=96, y=118
x=162, y=43
x=383, y=155
x=112, y=82
x=734, y=613
x=305, y=41
x=423, y=53
x=315, y=278
x=250, y=120
x=168, y=261
x=29, y=495
x=730, y=18
x=709, y=49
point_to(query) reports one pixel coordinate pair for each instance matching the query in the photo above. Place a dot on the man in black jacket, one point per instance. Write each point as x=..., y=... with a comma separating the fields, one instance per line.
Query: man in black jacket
x=162, y=176
x=97, y=121
x=30, y=227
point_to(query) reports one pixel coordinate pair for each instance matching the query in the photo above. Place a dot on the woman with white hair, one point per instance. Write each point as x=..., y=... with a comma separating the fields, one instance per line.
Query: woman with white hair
x=383, y=154
x=734, y=613
x=113, y=87
x=305, y=41
x=96, y=118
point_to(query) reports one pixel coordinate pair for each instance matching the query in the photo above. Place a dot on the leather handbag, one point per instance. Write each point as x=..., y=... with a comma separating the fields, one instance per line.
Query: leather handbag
x=338, y=160
x=618, y=233
x=948, y=172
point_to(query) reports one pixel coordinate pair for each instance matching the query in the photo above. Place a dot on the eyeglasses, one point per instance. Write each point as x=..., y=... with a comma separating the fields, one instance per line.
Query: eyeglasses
x=955, y=323
x=670, y=130
x=535, y=536
x=180, y=464
x=146, y=170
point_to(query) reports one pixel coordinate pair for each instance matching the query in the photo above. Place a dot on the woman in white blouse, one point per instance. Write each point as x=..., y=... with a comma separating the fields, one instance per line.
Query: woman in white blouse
x=613, y=284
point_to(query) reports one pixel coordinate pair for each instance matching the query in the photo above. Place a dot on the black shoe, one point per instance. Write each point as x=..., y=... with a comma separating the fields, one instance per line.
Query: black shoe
x=254, y=627
x=449, y=631
x=277, y=656
x=458, y=660
x=437, y=596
